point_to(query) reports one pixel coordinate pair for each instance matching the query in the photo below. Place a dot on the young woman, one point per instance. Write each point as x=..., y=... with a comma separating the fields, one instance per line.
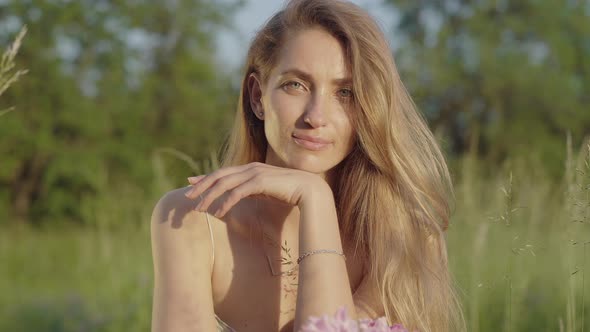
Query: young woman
x=332, y=192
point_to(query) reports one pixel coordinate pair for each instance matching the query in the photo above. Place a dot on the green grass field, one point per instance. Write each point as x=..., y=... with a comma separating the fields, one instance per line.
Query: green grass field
x=75, y=280
x=517, y=248
x=518, y=245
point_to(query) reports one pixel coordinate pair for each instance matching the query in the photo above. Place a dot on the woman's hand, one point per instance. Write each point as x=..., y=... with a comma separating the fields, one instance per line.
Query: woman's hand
x=291, y=186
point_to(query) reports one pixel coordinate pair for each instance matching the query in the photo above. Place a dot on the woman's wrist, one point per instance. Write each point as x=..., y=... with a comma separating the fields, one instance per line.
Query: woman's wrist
x=319, y=194
x=318, y=228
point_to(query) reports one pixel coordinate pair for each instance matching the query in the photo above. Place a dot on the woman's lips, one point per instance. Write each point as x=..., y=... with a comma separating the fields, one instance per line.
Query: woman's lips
x=311, y=143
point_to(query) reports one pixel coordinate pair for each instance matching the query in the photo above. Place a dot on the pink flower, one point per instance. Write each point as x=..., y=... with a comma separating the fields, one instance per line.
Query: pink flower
x=342, y=323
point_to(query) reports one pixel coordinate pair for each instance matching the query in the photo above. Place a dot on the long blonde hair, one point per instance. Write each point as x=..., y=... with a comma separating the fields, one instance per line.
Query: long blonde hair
x=394, y=200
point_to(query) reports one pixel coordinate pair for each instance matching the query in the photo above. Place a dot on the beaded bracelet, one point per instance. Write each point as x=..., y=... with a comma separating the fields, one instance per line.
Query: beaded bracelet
x=320, y=251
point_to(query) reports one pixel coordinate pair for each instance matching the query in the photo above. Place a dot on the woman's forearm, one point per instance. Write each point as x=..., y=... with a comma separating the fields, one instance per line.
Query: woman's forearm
x=323, y=278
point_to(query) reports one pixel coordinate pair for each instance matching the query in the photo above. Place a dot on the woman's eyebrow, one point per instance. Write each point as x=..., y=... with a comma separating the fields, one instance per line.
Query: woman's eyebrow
x=306, y=76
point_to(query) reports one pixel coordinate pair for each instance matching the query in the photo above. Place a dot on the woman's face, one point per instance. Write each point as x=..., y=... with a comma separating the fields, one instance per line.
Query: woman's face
x=306, y=104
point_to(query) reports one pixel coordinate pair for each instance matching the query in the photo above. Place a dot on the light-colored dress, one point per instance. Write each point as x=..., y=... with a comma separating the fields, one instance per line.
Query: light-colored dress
x=221, y=325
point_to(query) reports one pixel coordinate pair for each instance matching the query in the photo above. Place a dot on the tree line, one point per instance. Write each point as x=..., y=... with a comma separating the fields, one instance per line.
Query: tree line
x=121, y=91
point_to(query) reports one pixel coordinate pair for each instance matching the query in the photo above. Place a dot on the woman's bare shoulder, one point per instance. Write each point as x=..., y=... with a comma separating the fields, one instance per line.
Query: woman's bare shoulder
x=176, y=226
x=176, y=210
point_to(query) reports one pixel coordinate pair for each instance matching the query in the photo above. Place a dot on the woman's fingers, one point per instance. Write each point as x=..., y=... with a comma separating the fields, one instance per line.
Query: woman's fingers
x=208, y=180
x=195, y=179
x=222, y=185
x=229, y=185
x=244, y=189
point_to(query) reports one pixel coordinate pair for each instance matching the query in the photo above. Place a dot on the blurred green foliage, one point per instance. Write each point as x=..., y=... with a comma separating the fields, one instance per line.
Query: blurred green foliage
x=120, y=89
x=499, y=78
x=110, y=82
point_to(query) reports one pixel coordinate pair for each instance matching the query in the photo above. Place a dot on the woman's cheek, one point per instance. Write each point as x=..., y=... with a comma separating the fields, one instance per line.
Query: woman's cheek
x=288, y=107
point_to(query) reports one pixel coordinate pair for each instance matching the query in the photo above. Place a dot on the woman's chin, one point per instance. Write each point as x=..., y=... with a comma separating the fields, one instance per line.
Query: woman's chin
x=304, y=162
x=312, y=166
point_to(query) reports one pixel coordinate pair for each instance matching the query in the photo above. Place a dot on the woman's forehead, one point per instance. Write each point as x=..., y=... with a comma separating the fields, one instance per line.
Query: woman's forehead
x=314, y=52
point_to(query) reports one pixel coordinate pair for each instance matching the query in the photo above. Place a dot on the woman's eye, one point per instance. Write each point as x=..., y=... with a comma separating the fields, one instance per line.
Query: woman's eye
x=294, y=85
x=345, y=93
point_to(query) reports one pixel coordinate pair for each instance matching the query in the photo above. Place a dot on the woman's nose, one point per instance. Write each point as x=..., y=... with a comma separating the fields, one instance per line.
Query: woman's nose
x=315, y=113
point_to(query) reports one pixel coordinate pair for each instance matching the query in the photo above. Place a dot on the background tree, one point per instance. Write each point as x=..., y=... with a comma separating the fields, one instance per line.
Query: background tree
x=500, y=78
x=110, y=82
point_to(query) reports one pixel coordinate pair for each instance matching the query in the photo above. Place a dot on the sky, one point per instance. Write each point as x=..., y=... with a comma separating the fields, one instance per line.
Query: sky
x=232, y=45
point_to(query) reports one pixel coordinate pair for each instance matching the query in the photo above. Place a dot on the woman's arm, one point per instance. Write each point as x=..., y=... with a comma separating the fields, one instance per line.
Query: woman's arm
x=323, y=278
x=181, y=249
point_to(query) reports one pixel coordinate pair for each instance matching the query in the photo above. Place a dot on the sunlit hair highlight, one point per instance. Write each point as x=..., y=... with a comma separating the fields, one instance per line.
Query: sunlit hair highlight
x=393, y=198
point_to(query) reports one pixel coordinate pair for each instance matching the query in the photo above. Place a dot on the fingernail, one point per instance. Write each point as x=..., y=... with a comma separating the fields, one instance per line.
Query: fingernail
x=188, y=193
x=193, y=179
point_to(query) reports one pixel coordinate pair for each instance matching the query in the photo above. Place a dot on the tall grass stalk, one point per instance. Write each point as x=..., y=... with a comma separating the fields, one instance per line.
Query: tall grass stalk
x=8, y=75
x=585, y=204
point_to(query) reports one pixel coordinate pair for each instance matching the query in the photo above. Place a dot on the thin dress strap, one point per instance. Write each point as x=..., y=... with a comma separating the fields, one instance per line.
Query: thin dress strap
x=212, y=241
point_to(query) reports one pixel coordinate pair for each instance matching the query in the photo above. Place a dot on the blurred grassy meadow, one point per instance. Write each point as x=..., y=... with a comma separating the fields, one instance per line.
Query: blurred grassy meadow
x=518, y=247
x=85, y=158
